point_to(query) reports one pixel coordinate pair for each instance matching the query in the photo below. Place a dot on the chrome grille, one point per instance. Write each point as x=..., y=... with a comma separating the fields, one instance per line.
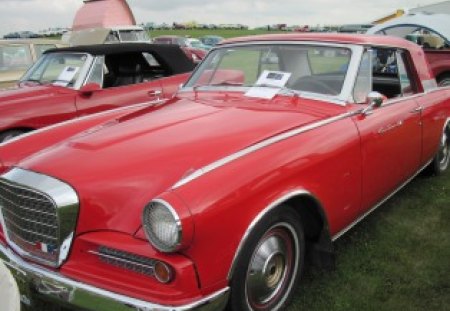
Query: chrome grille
x=31, y=216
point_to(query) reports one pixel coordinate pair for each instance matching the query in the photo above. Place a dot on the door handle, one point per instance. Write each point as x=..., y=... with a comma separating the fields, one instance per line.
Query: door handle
x=417, y=110
x=154, y=93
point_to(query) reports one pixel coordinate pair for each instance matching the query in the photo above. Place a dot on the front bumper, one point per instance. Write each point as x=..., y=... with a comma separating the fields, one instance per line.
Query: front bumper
x=34, y=281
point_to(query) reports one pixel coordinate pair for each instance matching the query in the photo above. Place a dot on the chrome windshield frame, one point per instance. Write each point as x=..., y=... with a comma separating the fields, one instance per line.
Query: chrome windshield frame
x=84, y=70
x=345, y=96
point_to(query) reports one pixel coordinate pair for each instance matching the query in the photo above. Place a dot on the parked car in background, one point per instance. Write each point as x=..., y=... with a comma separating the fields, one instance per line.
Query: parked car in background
x=355, y=28
x=211, y=41
x=124, y=34
x=196, y=44
x=12, y=35
x=218, y=196
x=195, y=54
x=431, y=32
x=71, y=82
x=28, y=35
x=16, y=56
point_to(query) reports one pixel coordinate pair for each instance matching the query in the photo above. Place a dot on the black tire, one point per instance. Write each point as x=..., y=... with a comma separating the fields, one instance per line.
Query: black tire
x=444, y=80
x=441, y=160
x=5, y=136
x=266, y=280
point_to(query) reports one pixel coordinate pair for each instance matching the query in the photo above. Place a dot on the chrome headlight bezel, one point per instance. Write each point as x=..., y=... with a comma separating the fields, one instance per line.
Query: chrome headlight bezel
x=151, y=230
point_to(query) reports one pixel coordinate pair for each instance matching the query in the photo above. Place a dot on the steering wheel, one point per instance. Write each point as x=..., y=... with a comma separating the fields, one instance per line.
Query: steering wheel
x=311, y=84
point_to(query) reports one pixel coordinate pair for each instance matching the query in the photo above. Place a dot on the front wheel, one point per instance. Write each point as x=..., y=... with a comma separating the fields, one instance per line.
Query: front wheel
x=444, y=80
x=270, y=264
x=442, y=159
x=5, y=136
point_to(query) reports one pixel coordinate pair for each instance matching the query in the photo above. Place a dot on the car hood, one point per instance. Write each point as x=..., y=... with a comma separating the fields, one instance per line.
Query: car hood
x=118, y=167
x=26, y=93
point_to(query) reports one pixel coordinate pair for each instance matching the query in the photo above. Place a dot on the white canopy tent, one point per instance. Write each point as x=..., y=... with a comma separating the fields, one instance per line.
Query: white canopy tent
x=401, y=26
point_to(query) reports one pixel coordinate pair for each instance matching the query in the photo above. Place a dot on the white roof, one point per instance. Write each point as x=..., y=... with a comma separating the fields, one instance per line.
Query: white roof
x=436, y=22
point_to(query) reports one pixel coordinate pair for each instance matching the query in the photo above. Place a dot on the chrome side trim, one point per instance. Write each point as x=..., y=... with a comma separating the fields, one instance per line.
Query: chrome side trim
x=258, y=218
x=263, y=144
x=343, y=231
x=73, y=293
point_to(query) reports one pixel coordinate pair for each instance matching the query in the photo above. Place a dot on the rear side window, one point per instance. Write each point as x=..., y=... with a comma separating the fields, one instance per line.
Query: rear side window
x=386, y=71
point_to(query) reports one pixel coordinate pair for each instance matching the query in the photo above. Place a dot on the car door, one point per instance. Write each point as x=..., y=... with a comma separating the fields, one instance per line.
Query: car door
x=391, y=135
x=115, y=95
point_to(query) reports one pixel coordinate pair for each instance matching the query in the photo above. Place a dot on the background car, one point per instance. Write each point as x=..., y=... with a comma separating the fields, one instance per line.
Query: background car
x=195, y=54
x=76, y=81
x=211, y=41
x=108, y=35
x=12, y=35
x=196, y=44
x=16, y=56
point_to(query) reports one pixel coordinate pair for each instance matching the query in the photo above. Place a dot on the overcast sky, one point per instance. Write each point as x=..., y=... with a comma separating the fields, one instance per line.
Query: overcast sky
x=17, y=15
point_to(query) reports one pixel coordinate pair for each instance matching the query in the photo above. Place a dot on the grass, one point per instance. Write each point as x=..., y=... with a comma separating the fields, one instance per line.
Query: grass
x=398, y=258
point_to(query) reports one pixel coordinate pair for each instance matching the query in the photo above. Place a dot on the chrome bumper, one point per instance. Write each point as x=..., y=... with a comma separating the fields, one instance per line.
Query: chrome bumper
x=35, y=281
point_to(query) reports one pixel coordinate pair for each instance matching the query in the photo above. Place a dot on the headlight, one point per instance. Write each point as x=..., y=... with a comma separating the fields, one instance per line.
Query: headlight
x=162, y=226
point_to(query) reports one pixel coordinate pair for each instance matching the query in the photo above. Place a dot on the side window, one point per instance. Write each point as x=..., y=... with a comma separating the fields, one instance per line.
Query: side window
x=41, y=48
x=98, y=71
x=406, y=85
x=152, y=62
x=363, y=84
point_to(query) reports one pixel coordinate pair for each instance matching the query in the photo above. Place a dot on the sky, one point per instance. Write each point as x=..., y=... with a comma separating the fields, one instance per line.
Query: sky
x=34, y=15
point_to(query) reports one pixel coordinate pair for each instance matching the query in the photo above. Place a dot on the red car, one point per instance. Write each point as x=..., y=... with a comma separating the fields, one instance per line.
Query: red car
x=194, y=54
x=72, y=82
x=274, y=148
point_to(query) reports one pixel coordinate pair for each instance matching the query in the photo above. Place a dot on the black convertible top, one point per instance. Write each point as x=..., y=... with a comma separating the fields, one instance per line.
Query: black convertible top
x=170, y=54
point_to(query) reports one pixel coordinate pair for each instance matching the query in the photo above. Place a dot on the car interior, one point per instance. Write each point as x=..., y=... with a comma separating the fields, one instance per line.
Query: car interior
x=131, y=68
x=390, y=76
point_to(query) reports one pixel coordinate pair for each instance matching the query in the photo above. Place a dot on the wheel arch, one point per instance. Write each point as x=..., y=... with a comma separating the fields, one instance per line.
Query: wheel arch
x=313, y=218
x=17, y=128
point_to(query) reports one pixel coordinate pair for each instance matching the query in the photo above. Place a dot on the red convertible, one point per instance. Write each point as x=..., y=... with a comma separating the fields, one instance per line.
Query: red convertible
x=72, y=82
x=274, y=148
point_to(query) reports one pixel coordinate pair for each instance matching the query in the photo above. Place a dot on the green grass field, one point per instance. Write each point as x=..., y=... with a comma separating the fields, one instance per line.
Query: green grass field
x=398, y=258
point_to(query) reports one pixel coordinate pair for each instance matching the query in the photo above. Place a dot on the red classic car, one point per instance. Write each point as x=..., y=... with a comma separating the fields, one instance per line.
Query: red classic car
x=72, y=82
x=275, y=147
x=194, y=54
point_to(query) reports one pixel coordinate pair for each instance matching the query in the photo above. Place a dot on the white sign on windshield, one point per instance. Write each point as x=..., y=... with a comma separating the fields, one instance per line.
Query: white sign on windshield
x=66, y=76
x=268, y=84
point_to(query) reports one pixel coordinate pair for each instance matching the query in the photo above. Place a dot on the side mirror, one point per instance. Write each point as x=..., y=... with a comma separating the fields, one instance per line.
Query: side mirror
x=373, y=100
x=90, y=88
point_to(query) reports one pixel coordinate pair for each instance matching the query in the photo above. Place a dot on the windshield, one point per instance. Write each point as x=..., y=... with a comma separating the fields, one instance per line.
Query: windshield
x=133, y=36
x=315, y=69
x=15, y=57
x=61, y=69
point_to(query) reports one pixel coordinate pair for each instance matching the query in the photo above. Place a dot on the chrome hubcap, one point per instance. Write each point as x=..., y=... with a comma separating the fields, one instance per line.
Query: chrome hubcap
x=270, y=267
x=444, y=152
